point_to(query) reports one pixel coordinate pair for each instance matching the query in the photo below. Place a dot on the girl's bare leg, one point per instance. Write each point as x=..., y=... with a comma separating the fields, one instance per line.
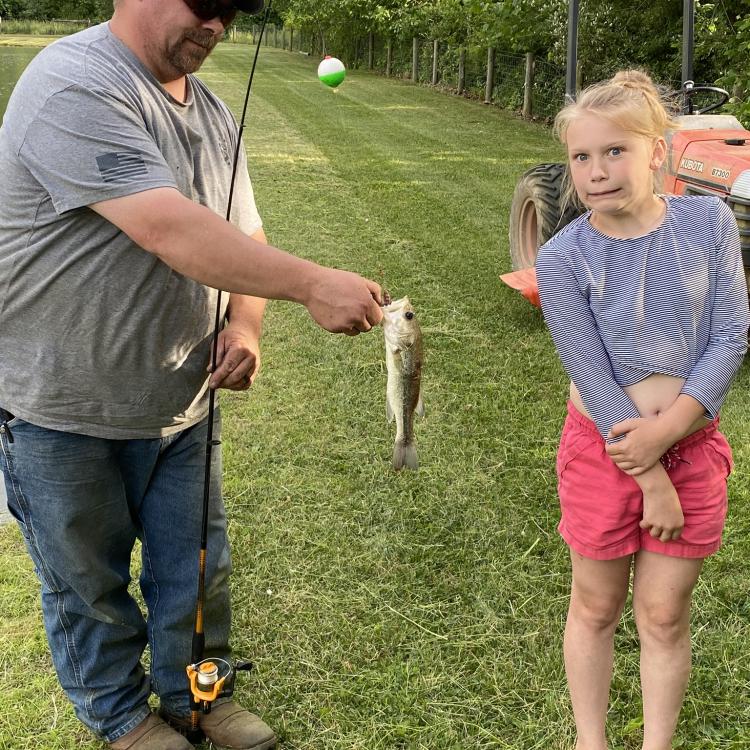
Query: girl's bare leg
x=597, y=597
x=662, y=591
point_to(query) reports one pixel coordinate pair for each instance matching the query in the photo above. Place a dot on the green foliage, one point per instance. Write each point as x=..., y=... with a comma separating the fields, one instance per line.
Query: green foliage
x=10, y=8
x=43, y=10
x=724, y=40
x=613, y=34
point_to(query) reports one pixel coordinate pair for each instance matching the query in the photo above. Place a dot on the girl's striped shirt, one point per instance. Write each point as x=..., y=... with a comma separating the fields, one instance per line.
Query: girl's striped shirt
x=673, y=301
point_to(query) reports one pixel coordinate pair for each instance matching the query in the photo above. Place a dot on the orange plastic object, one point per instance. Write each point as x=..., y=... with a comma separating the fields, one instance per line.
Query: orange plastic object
x=198, y=693
x=525, y=282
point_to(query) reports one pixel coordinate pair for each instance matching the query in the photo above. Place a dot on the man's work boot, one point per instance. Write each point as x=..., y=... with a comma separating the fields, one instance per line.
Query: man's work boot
x=152, y=733
x=230, y=727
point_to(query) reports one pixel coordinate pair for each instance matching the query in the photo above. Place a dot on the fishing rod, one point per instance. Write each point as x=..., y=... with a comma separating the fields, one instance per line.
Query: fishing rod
x=207, y=683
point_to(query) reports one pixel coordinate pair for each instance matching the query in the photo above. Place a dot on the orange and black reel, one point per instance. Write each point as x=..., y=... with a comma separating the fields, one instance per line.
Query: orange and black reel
x=207, y=683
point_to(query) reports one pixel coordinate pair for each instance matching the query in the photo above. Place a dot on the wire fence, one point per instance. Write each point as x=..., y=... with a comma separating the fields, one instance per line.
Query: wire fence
x=532, y=87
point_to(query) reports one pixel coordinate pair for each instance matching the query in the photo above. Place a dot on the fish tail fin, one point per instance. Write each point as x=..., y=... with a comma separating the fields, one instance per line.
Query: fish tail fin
x=405, y=455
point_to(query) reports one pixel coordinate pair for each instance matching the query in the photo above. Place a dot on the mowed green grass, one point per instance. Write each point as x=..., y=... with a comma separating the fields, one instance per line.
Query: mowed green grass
x=406, y=610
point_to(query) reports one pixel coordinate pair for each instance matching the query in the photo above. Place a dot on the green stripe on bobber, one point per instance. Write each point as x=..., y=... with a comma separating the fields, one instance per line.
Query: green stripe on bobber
x=333, y=79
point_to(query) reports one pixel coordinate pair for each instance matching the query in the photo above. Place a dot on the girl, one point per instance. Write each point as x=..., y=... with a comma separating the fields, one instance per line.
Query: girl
x=646, y=301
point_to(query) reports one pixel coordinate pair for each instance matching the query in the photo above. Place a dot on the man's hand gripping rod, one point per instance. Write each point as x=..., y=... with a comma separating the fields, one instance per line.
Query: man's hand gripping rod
x=206, y=683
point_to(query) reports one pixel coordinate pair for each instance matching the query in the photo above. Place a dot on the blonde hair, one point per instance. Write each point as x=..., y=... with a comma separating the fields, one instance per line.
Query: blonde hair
x=630, y=100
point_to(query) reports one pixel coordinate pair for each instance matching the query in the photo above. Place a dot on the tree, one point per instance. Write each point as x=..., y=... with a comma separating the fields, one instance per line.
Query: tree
x=11, y=8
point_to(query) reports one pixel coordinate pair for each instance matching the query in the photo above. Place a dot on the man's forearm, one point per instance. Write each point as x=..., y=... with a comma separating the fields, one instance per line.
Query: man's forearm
x=247, y=313
x=198, y=243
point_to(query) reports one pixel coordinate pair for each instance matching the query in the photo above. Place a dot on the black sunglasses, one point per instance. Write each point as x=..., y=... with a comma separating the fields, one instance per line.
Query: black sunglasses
x=225, y=10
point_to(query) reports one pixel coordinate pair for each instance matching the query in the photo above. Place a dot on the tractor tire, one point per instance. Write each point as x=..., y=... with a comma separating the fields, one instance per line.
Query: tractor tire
x=535, y=213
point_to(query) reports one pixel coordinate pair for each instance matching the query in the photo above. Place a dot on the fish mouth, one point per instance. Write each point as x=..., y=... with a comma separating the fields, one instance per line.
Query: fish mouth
x=395, y=305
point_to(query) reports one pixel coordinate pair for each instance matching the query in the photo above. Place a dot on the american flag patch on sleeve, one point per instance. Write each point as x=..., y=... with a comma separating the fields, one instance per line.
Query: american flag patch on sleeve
x=121, y=166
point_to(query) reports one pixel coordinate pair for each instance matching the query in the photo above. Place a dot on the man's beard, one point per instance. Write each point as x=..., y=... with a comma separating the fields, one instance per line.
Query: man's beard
x=186, y=57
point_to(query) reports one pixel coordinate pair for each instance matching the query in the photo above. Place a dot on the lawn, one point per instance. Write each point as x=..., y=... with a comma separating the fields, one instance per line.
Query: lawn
x=406, y=610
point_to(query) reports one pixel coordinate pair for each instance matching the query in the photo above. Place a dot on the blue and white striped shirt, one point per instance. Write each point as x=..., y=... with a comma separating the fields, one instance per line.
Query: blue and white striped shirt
x=673, y=301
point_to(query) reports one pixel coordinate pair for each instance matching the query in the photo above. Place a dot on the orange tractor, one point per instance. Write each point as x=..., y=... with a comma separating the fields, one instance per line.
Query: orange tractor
x=709, y=155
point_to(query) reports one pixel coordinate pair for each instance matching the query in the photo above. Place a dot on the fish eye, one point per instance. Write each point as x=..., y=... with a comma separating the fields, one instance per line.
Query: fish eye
x=409, y=315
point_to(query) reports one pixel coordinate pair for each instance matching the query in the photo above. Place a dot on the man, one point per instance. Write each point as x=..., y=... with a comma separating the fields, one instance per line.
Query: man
x=116, y=167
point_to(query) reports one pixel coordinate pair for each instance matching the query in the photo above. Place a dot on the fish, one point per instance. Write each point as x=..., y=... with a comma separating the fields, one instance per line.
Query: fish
x=403, y=358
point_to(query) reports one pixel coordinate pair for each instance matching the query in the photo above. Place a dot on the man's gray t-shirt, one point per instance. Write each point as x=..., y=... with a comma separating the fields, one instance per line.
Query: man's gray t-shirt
x=98, y=336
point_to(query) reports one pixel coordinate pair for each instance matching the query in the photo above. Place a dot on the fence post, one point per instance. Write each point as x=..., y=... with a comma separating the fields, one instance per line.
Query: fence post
x=435, y=51
x=275, y=36
x=291, y=40
x=461, y=71
x=388, y=56
x=528, y=87
x=370, y=51
x=490, y=75
x=414, y=60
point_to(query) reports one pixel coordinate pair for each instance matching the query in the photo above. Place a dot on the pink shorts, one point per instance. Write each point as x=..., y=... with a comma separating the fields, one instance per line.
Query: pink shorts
x=602, y=506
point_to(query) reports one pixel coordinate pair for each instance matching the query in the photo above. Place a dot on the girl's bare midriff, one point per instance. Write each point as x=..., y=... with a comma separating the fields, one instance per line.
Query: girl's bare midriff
x=651, y=396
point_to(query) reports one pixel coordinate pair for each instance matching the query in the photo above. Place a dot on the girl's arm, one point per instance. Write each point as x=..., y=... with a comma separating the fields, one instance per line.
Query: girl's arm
x=712, y=375
x=706, y=387
x=576, y=337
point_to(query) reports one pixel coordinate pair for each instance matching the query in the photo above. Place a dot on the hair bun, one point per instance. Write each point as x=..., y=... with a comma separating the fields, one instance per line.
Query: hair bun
x=634, y=79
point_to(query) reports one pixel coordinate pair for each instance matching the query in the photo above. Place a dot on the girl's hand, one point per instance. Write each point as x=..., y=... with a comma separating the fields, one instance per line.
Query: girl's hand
x=645, y=442
x=662, y=513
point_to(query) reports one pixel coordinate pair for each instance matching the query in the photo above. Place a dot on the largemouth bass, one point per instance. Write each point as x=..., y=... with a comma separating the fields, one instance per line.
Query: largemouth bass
x=403, y=358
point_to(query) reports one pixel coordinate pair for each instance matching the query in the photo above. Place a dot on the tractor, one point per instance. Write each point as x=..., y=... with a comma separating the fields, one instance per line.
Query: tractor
x=708, y=155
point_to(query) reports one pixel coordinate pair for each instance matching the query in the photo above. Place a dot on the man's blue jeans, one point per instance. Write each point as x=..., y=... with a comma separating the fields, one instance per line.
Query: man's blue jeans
x=81, y=502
